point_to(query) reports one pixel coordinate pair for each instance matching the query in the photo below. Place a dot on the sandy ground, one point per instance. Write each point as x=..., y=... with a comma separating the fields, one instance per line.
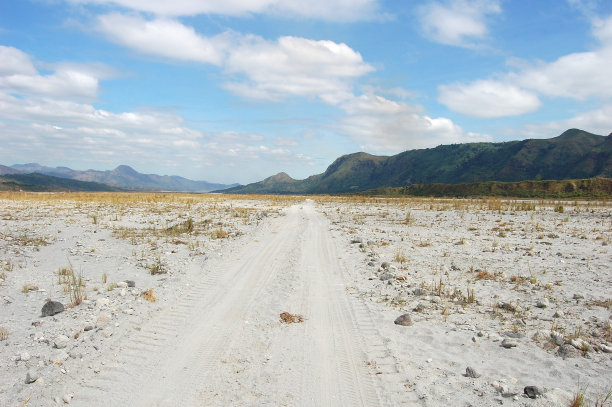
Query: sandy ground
x=519, y=292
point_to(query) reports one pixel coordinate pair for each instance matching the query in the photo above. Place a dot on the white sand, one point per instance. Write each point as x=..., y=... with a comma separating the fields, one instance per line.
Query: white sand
x=214, y=336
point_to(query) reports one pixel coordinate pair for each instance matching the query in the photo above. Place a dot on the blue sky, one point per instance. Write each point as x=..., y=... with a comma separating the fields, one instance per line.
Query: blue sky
x=238, y=90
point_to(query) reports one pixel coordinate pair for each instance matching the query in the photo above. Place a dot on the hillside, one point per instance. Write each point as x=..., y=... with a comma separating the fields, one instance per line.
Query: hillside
x=46, y=183
x=575, y=154
x=124, y=177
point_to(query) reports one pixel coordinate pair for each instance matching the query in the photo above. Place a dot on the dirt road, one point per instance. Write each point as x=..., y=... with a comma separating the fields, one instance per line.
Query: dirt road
x=222, y=342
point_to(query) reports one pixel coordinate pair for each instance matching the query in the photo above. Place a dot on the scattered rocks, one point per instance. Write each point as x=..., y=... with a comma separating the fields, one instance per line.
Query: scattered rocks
x=532, y=392
x=61, y=342
x=51, y=308
x=471, y=372
x=403, y=320
x=509, y=343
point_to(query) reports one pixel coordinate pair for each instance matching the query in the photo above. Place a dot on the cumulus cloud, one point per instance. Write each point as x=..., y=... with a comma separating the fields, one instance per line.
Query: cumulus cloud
x=598, y=121
x=579, y=76
x=332, y=10
x=488, y=98
x=457, y=22
x=293, y=66
x=19, y=76
x=162, y=37
x=260, y=69
x=382, y=125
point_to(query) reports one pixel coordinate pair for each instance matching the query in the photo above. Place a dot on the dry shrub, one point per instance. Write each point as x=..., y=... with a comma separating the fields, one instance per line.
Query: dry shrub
x=3, y=334
x=288, y=318
x=485, y=275
x=149, y=296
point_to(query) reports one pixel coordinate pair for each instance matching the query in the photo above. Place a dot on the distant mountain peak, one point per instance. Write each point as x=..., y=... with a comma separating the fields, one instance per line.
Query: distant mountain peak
x=280, y=177
x=126, y=169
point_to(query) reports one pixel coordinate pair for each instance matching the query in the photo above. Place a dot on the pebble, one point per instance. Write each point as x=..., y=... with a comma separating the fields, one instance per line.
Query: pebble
x=31, y=377
x=107, y=332
x=130, y=283
x=403, y=320
x=509, y=343
x=543, y=303
x=24, y=357
x=557, y=338
x=51, y=308
x=532, y=392
x=605, y=348
x=102, y=302
x=68, y=398
x=122, y=284
x=386, y=276
x=559, y=314
x=471, y=372
x=61, y=342
x=103, y=319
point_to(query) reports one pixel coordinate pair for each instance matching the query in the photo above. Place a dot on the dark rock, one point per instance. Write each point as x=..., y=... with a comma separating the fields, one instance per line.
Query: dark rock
x=568, y=351
x=532, y=391
x=385, y=265
x=509, y=343
x=130, y=283
x=51, y=308
x=403, y=320
x=470, y=372
x=357, y=240
x=31, y=377
x=386, y=276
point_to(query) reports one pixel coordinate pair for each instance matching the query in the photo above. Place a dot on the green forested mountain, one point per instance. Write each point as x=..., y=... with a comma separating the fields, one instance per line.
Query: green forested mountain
x=575, y=154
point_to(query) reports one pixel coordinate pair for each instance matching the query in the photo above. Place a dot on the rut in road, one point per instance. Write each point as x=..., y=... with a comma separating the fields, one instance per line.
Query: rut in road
x=223, y=343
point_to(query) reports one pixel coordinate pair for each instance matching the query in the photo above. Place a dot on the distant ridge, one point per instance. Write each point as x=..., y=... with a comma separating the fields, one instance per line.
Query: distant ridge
x=45, y=183
x=124, y=177
x=575, y=154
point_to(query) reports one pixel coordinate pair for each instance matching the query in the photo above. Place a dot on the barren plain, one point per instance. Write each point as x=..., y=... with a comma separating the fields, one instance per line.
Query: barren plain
x=210, y=300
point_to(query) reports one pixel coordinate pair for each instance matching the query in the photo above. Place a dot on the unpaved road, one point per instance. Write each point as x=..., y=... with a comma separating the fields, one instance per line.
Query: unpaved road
x=222, y=343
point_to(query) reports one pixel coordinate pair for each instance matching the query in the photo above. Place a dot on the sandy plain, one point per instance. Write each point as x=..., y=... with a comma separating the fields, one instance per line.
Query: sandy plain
x=516, y=291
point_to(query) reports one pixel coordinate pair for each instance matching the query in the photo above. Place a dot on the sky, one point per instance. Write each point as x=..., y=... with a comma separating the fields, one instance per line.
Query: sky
x=238, y=90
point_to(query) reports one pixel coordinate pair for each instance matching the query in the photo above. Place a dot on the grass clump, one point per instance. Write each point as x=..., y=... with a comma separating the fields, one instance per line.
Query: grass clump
x=73, y=285
x=219, y=234
x=4, y=334
x=149, y=296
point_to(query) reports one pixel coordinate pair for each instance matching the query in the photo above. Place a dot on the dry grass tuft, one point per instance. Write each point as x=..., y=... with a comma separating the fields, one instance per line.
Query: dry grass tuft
x=3, y=334
x=288, y=318
x=484, y=275
x=149, y=296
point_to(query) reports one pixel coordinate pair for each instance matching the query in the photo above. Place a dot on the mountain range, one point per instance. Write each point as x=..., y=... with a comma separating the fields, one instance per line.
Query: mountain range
x=572, y=155
x=123, y=177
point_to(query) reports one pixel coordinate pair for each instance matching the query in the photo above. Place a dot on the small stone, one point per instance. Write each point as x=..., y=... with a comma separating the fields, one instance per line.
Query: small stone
x=605, y=348
x=568, y=351
x=385, y=265
x=68, y=398
x=386, y=276
x=543, y=303
x=24, y=357
x=403, y=320
x=31, y=377
x=559, y=314
x=129, y=311
x=61, y=342
x=123, y=292
x=122, y=284
x=103, y=319
x=88, y=328
x=580, y=344
x=509, y=343
x=51, y=308
x=356, y=240
x=470, y=372
x=578, y=296
x=102, y=302
x=532, y=392
x=130, y=283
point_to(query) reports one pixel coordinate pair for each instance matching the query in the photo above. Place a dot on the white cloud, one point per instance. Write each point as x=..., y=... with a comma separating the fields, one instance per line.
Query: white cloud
x=261, y=69
x=163, y=37
x=382, y=125
x=294, y=66
x=487, y=99
x=332, y=10
x=579, y=76
x=19, y=76
x=598, y=121
x=457, y=22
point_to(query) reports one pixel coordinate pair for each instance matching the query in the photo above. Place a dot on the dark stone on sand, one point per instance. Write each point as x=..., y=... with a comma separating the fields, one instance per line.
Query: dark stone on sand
x=51, y=308
x=403, y=320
